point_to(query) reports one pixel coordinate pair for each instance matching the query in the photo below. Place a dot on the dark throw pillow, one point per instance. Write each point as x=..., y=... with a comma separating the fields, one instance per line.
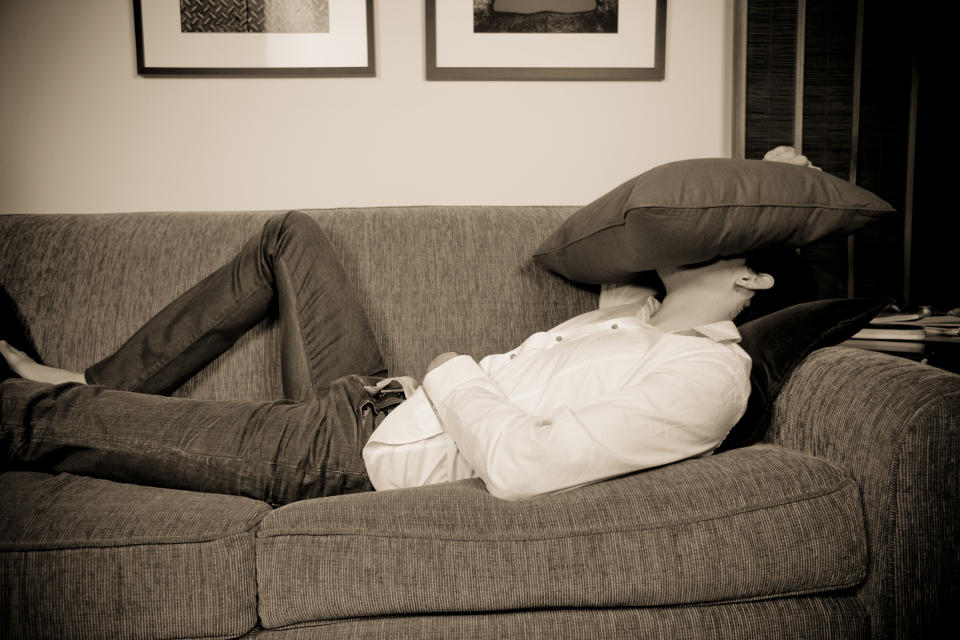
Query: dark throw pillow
x=778, y=342
x=697, y=210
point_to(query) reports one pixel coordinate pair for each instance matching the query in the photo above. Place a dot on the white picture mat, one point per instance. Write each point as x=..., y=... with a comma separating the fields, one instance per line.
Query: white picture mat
x=633, y=47
x=164, y=45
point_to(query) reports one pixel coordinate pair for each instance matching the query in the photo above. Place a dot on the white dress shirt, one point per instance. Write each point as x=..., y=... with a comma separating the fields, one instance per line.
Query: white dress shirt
x=601, y=395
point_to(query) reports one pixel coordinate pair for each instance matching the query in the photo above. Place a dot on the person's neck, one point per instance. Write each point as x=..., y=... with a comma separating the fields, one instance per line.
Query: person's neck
x=687, y=308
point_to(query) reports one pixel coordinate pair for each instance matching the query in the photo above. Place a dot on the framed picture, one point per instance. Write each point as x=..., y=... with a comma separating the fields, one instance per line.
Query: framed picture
x=255, y=37
x=546, y=39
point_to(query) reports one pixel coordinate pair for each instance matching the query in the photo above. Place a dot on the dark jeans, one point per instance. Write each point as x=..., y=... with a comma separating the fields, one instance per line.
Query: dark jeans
x=304, y=447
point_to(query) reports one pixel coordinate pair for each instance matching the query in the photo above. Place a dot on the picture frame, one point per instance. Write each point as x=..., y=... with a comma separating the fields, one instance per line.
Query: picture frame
x=334, y=38
x=458, y=49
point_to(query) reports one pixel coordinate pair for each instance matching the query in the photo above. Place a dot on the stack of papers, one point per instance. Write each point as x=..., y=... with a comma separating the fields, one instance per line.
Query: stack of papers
x=909, y=327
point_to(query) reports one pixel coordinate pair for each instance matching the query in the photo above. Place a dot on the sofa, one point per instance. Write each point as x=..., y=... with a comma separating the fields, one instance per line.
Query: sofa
x=841, y=523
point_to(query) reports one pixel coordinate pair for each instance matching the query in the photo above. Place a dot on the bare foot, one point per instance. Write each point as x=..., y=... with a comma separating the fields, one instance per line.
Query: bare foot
x=26, y=367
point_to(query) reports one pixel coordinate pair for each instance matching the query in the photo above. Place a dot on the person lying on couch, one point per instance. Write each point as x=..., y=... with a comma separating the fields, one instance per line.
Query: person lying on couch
x=632, y=385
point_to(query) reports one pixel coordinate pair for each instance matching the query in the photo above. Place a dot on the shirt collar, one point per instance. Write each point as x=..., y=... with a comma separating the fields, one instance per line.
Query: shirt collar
x=722, y=331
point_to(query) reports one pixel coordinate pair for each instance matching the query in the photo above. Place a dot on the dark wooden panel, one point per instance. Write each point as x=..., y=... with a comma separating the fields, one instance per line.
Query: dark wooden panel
x=771, y=56
x=828, y=97
x=882, y=160
x=935, y=237
x=856, y=124
x=830, y=50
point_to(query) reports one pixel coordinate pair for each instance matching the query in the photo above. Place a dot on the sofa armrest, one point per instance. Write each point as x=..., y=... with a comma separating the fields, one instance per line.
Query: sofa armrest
x=895, y=424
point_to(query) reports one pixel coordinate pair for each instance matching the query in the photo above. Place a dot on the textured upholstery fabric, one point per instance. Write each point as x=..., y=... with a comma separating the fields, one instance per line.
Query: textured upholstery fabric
x=105, y=560
x=480, y=293
x=787, y=619
x=111, y=273
x=892, y=423
x=758, y=521
x=897, y=429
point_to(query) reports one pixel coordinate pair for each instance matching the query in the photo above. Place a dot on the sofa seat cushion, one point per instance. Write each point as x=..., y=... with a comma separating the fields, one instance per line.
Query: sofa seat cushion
x=108, y=560
x=751, y=523
x=804, y=617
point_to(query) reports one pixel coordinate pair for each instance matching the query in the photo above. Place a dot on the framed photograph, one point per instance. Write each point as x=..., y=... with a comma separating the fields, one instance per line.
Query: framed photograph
x=255, y=37
x=546, y=39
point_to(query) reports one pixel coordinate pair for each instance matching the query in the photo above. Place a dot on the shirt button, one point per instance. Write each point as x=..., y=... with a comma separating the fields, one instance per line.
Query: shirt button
x=614, y=326
x=512, y=356
x=559, y=338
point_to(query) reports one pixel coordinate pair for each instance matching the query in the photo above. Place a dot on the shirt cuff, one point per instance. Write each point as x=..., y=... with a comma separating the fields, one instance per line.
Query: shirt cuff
x=440, y=382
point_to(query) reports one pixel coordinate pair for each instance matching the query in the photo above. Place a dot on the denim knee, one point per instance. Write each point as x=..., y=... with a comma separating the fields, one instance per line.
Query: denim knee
x=286, y=226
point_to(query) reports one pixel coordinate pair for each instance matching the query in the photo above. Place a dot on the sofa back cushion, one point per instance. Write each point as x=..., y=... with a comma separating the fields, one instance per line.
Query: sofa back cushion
x=432, y=279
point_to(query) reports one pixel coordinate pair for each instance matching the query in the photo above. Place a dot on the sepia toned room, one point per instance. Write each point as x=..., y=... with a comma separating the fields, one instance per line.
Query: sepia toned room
x=473, y=319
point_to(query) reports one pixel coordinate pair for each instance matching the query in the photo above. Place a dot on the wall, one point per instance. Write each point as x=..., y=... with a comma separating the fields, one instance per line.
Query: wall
x=82, y=132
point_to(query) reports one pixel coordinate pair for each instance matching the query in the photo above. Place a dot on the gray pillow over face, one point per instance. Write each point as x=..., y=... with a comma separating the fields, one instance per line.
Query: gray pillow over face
x=696, y=210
